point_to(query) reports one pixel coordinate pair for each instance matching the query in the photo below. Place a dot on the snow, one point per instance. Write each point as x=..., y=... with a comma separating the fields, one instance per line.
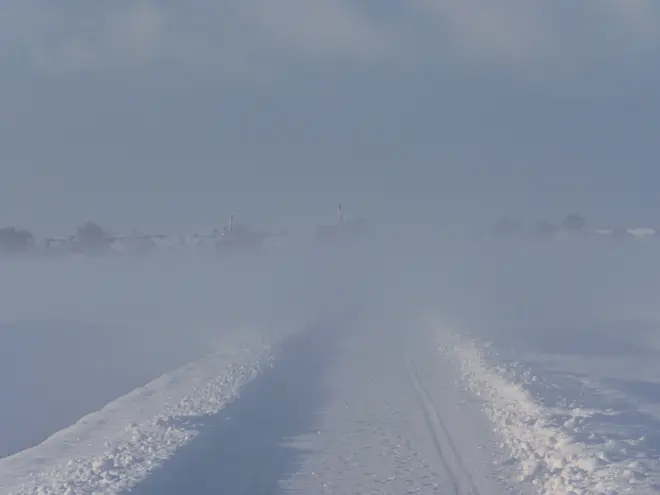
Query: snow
x=389, y=419
x=552, y=446
x=115, y=448
x=639, y=232
x=560, y=347
x=453, y=368
x=106, y=363
x=74, y=336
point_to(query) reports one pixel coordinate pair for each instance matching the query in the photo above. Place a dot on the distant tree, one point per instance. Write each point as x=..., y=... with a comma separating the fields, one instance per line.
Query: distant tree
x=13, y=240
x=92, y=237
x=506, y=227
x=544, y=229
x=574, y=223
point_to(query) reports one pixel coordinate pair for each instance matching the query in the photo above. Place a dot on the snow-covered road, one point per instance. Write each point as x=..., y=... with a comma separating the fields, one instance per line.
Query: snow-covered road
x=350, y=406
x=394, y=422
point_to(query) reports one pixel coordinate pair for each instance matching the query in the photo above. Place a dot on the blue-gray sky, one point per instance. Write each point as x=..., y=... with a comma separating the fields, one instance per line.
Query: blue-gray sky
x=165, y=115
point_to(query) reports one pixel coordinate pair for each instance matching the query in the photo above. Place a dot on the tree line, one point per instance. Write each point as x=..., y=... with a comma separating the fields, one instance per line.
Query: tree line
x=507, y=227
x=88, y=237
x=573, y=224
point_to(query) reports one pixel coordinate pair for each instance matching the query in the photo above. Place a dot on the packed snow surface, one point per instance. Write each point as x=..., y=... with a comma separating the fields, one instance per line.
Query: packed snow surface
x=394, y=422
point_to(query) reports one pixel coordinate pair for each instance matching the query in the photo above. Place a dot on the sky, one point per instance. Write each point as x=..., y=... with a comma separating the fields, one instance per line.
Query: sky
x=166, y=116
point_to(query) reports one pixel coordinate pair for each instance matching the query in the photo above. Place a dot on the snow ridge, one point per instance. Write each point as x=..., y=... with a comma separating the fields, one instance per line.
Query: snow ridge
x=543, y=442
x=112, y=450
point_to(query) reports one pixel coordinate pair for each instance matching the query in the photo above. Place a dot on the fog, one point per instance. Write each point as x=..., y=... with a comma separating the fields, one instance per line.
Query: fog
x=79, y=332
x=163, y=118
x=430, y=120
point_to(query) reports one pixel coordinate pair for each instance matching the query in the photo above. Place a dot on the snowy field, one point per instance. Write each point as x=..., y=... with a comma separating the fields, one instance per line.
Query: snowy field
x=561, y=345
x=427, y=368
x=111, y=349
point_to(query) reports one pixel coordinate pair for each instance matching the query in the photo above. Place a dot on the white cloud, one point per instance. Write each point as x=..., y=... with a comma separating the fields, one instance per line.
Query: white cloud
x=141, y=28
x=506, y=32
x=56, y=38
x=255, y=37
x=546, y=39
x=314, y=29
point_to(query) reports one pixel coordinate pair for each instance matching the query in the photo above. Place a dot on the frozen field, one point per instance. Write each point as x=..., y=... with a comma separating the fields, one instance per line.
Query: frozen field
x=562, y=346
x=467, y=369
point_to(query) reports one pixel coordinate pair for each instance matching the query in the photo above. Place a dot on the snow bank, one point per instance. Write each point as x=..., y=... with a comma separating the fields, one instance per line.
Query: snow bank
x=551, y=446
x=76, y=334
x=113, y=449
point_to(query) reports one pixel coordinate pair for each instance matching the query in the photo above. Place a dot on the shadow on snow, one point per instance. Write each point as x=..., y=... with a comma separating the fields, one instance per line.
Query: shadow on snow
x=242, y=449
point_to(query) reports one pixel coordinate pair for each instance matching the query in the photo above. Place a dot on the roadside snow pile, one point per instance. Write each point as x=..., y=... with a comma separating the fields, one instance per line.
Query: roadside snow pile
x=113, y=449
x=555, y=449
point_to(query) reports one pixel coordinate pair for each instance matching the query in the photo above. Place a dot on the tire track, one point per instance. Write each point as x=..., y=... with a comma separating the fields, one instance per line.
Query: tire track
x=453, y=464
